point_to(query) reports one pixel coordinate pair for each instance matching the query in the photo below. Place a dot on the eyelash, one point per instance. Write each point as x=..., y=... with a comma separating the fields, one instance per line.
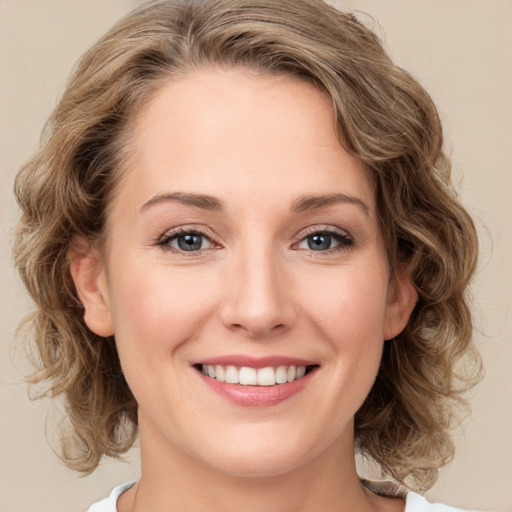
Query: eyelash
x=343, y=239
x=165, y=241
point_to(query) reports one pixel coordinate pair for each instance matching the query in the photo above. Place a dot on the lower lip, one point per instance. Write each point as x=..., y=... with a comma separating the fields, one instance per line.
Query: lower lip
x=257, y=396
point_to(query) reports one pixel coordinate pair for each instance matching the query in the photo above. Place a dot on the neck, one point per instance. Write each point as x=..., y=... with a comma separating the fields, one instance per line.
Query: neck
x=173, y=480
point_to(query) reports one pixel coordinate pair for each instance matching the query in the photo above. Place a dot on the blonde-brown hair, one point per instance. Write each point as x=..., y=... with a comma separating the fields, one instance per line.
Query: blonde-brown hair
x=383, y=117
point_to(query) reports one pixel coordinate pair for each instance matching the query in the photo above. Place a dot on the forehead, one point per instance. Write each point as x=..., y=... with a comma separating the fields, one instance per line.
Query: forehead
x=227, y=131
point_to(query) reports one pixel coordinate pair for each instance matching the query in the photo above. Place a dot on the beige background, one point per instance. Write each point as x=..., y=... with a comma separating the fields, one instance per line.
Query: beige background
x=459, y=49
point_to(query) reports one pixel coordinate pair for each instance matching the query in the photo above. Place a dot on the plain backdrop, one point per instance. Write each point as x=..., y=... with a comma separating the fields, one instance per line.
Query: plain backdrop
x=460, y=50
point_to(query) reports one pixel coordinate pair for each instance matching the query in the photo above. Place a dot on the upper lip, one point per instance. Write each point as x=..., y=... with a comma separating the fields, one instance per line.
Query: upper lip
x=241, y=360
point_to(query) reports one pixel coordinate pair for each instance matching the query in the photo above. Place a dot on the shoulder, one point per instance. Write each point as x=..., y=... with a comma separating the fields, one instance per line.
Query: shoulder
x=417, y=503
x=413, y=502
x=109, y=504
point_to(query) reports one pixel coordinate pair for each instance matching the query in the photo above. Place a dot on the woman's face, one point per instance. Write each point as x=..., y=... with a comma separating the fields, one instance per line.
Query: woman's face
x=243, y=243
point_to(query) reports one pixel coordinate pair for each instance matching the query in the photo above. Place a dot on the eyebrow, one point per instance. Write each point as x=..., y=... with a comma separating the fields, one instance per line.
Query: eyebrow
x=310, y=202
x=202, y=201
x=206, y=202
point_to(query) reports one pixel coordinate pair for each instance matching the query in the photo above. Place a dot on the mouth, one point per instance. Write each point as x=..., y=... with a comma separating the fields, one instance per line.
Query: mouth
x=250, y=376
x=261, y=381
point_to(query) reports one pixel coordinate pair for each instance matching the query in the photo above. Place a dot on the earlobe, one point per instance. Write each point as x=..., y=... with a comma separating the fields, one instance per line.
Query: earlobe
x=87, y=268
x=402, y=298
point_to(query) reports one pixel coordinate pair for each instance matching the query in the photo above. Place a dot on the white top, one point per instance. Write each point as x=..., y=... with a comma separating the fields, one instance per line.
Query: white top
x=413, y=502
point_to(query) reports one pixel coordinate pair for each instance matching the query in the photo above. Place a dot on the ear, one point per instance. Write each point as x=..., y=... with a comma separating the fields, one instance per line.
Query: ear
x=87, y=268
x=402, y=298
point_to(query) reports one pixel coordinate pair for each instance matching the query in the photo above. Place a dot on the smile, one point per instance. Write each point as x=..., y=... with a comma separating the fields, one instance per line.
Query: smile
x=248, y=376
x=247, y=380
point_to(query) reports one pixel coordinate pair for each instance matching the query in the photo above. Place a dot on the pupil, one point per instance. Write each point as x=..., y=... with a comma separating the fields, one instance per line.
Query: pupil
x=190, y=242
x=319, y=242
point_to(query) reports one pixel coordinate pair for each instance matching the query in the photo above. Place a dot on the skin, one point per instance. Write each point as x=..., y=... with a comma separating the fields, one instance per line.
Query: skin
x=258, y=145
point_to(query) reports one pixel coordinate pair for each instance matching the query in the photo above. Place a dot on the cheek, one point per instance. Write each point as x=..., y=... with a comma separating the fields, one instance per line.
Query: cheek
x=350, y=316
x=159, y=308
x=352, y=303
x=157, y=314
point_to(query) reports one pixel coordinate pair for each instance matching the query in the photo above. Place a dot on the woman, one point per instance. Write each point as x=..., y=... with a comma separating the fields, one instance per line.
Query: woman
x=244, y=246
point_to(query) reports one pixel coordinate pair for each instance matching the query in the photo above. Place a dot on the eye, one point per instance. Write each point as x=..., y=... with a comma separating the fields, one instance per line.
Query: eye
x=325, y=241
x=186, y=241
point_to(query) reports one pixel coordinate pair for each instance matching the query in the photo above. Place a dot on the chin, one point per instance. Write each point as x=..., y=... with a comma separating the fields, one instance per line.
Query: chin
x=265, y=465
x=264, y=454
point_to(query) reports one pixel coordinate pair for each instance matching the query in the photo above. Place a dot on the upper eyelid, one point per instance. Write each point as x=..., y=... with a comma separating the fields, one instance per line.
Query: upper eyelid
x=323, y=229
x=185, y=230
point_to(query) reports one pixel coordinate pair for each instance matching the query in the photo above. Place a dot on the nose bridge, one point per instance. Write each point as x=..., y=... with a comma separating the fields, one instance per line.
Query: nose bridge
x=259, y=300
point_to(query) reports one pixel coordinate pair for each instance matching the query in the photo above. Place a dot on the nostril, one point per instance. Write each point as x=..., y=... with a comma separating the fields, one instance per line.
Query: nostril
x=258, y=329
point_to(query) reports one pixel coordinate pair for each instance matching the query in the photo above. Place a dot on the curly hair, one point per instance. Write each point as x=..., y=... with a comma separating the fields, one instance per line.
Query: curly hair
x=383, y=117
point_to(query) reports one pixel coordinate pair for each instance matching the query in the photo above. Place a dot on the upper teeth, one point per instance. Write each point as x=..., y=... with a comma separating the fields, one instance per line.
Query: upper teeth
x=252, y=376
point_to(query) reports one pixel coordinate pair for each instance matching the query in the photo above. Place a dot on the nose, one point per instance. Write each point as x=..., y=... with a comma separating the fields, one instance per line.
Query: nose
x=258, y=296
